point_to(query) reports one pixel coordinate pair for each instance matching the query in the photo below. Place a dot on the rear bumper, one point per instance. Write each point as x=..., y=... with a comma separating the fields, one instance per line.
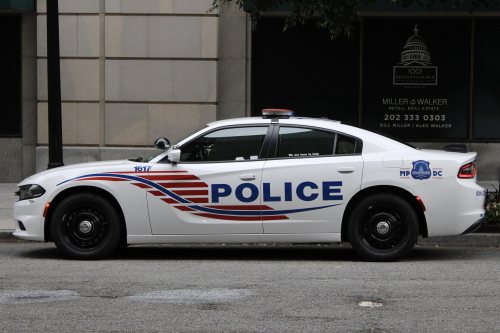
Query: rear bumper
x=474, y=227
x=454, y=206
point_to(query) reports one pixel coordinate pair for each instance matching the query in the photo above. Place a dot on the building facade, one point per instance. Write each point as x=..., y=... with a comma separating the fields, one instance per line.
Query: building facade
x=136, y=70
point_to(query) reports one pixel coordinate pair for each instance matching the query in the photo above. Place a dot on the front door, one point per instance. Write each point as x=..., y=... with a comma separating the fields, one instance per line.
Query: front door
x=214, y=189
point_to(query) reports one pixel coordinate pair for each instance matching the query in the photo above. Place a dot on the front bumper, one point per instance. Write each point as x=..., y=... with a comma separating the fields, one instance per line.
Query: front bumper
x=30, y=213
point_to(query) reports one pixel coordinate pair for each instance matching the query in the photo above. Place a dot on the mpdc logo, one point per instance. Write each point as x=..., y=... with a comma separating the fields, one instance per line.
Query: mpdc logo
x=421, y=170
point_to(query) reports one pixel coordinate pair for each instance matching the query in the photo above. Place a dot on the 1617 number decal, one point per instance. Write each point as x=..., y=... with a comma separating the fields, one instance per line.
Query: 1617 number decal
x=142, y=168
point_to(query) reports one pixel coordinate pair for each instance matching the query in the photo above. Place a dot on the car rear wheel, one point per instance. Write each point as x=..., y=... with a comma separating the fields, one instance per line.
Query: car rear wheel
x=383, y=227
x=86, y=226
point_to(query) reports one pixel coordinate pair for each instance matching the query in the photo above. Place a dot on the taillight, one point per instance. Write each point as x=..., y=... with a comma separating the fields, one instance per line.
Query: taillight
x=467, y=171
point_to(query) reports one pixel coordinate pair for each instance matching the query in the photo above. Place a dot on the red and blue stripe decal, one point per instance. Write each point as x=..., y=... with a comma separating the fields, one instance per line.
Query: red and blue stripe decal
x=186, y=192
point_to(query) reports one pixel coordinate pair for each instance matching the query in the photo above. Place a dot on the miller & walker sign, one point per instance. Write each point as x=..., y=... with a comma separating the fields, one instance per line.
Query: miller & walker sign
x=408, y=94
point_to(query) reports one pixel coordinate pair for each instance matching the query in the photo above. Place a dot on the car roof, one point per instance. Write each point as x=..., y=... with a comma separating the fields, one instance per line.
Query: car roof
x=317, y=122
x=304, y=121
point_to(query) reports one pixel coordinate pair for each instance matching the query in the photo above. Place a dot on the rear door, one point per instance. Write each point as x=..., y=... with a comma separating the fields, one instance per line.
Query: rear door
x=308, y=179
x=215, y=188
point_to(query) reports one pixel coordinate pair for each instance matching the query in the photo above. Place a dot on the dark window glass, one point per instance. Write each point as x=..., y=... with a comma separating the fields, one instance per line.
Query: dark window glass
x=302, y=142
x=305, y=70
x=411, y=93
x=231, y=144
x=10, y=79
x=486, y=79
x=345, y=145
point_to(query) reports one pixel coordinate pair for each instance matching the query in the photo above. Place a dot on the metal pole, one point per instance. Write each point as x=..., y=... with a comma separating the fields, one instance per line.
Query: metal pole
x=54, y=86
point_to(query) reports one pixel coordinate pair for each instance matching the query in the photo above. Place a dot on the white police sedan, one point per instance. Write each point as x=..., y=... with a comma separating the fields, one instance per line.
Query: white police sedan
x=258, y=180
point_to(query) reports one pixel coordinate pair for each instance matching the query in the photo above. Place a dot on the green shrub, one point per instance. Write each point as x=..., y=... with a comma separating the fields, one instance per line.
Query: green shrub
x=492, y=214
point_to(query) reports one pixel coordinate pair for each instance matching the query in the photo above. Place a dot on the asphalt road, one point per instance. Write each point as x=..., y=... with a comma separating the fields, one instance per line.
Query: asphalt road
x=248, y=289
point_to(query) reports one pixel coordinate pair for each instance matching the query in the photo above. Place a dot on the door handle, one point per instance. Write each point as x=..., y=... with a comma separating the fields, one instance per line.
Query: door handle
x=345, y=169
x=248, y=177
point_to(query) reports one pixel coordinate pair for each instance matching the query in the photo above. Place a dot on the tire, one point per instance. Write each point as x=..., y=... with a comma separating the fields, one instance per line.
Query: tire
x=383, y=227
x=86, y=226
x=122, y=244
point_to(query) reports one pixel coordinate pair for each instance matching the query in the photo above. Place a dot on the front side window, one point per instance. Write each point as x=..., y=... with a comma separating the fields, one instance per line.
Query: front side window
x=303, y=142
x=230, y=144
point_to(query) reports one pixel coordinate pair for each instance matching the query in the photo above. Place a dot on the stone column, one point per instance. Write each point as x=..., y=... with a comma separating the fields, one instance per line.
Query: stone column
x=234, y=60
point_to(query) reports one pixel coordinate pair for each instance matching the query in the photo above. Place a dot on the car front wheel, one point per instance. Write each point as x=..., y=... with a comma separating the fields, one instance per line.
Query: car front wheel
x=86, y=226
x=383, y=227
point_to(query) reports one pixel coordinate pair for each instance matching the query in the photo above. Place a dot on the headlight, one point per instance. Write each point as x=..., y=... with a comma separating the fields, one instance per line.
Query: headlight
x=30, y=192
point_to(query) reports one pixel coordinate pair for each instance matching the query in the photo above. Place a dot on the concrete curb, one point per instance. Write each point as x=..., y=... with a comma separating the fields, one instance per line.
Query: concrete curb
x=7, y=237
x=469, y=240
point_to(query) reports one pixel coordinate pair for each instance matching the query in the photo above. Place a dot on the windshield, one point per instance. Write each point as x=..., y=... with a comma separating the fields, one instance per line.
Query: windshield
x=191, y=133
x=160, y=151
x=150, y=158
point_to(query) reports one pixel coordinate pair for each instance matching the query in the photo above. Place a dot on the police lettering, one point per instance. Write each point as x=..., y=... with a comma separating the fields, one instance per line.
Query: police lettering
x=305, y=191
x=254, y=192
x=216, y=193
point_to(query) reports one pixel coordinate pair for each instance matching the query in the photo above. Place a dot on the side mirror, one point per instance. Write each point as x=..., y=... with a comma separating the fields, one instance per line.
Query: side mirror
x=162, y=143
x=174, y=155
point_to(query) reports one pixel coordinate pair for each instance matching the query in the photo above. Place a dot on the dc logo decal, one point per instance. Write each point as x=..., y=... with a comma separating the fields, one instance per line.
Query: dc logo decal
x=421, y=170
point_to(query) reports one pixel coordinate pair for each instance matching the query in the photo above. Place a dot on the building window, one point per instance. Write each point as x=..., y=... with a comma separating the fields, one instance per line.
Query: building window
x=304, y=70
x=416, y=77
x=422, y=79
x=10, y=78
x=486, y=101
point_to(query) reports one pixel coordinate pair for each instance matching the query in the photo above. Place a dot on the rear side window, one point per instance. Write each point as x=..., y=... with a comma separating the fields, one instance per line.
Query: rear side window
x=231, y=144
x=303, y=142
x=345, y=145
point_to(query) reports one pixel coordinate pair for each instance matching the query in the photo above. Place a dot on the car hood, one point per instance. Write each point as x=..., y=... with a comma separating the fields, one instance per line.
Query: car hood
x=70, y=169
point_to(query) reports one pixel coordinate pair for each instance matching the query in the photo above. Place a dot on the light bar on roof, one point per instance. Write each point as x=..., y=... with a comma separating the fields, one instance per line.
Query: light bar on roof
x=277, y=112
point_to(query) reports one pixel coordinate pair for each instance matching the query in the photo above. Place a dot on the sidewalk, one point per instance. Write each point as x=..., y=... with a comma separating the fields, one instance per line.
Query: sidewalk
x=7, y=226
x=7, y=200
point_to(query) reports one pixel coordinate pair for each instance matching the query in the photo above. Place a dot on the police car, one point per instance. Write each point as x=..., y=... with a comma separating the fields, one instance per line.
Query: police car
x=269, y=179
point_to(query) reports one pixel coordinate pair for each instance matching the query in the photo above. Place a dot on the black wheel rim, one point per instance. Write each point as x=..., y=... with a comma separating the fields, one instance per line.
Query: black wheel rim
x=383, y=230
x=85, y=228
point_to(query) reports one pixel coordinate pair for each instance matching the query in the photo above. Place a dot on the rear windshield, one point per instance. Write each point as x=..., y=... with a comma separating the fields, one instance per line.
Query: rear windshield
x=382, y=134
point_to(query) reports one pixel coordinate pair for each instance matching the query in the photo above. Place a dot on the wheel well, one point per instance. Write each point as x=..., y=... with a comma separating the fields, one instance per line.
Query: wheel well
x=80, y=189
x=410, y=198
